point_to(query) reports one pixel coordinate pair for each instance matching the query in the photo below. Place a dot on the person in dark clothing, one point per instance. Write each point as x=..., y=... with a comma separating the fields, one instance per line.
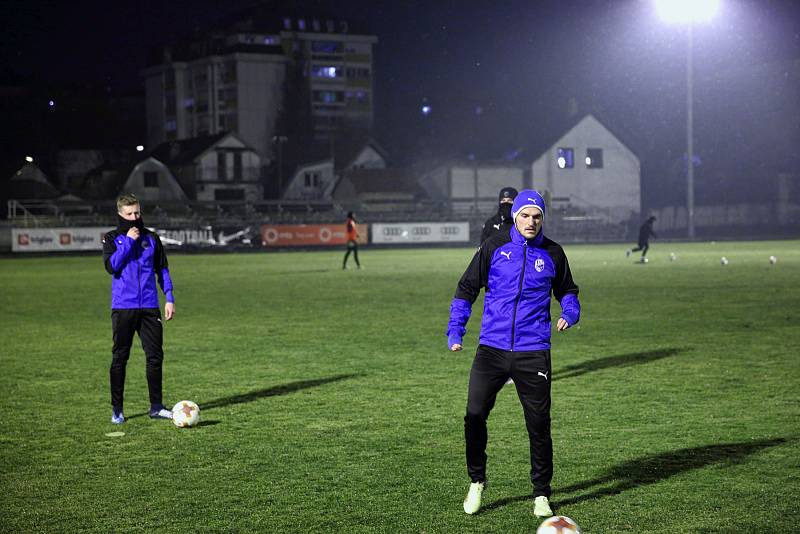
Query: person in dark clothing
x=135, y=259
x=645, y=231
x=351, y=232
x=519, y=271
x=500, y=221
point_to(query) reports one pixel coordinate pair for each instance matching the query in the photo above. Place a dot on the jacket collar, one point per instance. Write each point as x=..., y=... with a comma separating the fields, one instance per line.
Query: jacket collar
x=518, y=239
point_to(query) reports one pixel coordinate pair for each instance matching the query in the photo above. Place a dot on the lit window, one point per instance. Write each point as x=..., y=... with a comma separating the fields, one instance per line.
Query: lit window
x=315, y=25
x=171, y=126
x=271, y=40
x=325, y=72
x=287, y=23
x=328, y=47
x=301, y=24
x=565, y=157
x=188, y=103
x=328, y=96
x=594, y=158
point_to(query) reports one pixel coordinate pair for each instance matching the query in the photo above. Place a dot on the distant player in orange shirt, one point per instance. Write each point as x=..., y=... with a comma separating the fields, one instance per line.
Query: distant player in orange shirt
x=352, y=235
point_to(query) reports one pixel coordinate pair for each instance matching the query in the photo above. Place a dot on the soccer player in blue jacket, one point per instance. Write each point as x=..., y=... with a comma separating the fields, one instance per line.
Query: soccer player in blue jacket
x=519, y=270
x=135, y=258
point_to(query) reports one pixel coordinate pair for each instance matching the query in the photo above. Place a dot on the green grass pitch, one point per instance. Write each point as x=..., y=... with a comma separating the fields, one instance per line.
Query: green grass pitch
x=330, y=403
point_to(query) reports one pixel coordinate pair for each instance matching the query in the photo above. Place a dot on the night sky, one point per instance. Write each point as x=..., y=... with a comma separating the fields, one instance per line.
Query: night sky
x=499, y=75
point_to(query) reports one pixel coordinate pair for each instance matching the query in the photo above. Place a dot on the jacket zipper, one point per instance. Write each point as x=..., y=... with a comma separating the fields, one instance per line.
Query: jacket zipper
x=519, y=294
x=139, y=277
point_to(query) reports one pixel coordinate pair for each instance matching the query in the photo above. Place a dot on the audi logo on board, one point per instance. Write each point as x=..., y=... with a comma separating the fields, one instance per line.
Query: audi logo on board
x=449, y=230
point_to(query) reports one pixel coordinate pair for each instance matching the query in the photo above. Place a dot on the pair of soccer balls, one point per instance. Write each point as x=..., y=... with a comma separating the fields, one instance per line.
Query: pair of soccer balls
x=185, y=414
x=558, y=524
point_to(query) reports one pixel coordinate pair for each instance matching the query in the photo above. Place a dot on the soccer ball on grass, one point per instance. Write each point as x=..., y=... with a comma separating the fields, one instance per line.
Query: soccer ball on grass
x=185, y=414
x=558, y=524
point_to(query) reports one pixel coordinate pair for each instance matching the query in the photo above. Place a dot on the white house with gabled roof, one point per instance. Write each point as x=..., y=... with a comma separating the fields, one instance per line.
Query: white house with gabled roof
x=590, y=170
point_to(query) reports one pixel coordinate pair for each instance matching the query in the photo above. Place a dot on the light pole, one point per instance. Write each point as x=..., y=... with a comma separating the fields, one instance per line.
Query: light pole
x=279, y=140
x=688, y=12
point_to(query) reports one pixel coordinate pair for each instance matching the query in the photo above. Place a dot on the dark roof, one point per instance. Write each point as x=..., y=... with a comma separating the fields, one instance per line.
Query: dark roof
x=183, y=151
x=382, y=181
x=29, y=182
x=557, y=130
x=346, y=150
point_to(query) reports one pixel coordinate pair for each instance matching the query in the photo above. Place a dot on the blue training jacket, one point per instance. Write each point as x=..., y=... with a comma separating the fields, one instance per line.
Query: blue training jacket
x=134, y=267
x=519, y=276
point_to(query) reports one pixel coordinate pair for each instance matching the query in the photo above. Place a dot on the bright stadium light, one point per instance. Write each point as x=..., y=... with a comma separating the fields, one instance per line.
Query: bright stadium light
x=687, y=11
x=139, y=148
x=29, y=159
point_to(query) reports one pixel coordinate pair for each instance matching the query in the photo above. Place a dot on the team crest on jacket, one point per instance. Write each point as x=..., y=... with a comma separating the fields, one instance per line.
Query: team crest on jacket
x=539, y=265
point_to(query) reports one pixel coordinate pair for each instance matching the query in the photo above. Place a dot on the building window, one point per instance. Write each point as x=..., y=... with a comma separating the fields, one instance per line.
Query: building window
x=287, y=23
x=326, y=71
x=222, y=166
x=229, y=194
x=328, y=96
x=301, y=24
x=171, y=125
x=362, y=97
x=594, y=158
x=358, y=73
x=237, y=165
x=327, y=47
x=312, y=179
x=565, y=158
x=315, y=25
x=150, y=179
x=272, y=40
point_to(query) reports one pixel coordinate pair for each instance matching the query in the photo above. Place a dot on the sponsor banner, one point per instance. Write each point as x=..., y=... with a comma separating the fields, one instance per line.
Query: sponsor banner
x=299, y=235
x=51, y=239
x=406, y=233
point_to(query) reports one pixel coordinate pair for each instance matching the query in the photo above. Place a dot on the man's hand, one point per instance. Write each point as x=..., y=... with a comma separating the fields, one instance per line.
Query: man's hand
x=133, y=233
x=455, y=347
x=562, y=324
x=169, y=310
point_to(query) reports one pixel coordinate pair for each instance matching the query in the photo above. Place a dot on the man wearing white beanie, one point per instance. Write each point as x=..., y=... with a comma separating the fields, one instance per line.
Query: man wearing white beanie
x=519, y=270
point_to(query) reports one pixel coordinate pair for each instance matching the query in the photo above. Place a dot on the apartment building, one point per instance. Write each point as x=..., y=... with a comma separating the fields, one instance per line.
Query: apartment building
x=265, y=76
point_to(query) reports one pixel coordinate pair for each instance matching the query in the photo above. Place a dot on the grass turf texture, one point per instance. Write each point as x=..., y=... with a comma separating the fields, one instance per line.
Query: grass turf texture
x=330, y=404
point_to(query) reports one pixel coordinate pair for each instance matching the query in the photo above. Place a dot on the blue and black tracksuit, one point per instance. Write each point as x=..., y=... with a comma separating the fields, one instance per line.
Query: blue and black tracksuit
x=135, y=265
x=519, y=276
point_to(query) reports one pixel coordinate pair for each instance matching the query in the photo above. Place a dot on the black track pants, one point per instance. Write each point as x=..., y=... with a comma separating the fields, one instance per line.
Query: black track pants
x=531, y=374
x=147, y=323
x=352, y=246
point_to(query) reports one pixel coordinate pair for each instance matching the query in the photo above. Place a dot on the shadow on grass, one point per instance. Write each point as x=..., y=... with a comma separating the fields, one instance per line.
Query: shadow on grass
x=652, y=469
x=619, y=360
x=282, y=389
x=274, y=391
x=301, y=272
x=209, y=423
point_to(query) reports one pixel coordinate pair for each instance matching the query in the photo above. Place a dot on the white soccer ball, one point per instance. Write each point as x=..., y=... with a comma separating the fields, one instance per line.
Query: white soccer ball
x=185, y=414
x=723, y=260
x=773, y=260
x=645, y=260
x=558, y=524
x=672, y=256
